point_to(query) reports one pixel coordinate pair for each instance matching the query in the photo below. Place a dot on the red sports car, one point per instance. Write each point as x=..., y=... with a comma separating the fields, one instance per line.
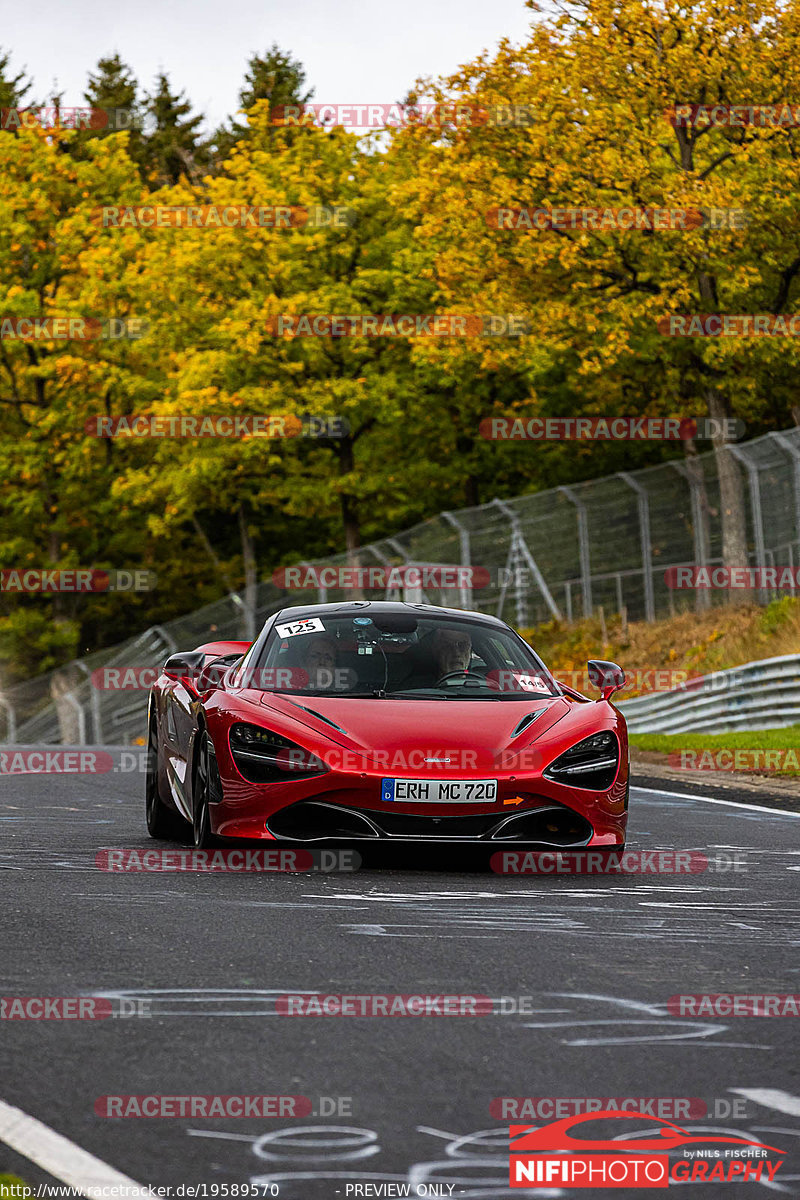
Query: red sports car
x=384, y=721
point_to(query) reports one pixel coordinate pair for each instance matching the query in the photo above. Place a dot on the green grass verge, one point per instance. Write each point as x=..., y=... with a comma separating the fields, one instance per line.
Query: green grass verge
x=741, y=739
x=758, y=739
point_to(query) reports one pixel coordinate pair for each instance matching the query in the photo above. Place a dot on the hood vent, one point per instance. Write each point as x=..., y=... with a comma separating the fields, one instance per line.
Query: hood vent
x=320, y=717
x=526, y=721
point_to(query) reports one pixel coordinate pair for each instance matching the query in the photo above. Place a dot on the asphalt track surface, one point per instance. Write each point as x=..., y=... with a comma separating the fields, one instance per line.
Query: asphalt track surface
x=209, y=953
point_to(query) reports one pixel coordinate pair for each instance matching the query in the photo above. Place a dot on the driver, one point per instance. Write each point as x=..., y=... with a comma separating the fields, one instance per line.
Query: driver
x=452, y=651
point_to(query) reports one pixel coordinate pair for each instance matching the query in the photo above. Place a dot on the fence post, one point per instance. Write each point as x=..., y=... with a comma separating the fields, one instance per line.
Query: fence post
x=788, y=445
x=520, y=546
x=11, y=720
x=643, y=504
x=466, y=561
x=168, y=638
x=94, y=704
x=248, y=615
x=322, y=596
x=401, y=550
x=755, y=504
x=71, y=698
x=583, y=548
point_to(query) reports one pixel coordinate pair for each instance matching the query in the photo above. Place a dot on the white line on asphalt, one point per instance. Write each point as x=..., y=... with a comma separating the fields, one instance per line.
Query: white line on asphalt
x=61, y=1158
x=771, y=1098
x=782, y=812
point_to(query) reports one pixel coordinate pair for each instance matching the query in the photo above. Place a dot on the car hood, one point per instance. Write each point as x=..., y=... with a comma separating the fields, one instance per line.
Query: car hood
x=432, y=727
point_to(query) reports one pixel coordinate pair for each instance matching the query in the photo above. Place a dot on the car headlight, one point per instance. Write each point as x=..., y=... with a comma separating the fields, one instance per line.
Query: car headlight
x=591, y=763
x=266, y=757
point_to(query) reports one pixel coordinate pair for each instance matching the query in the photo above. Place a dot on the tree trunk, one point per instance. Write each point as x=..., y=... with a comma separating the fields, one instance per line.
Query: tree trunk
x=250, y=577
x=210, y=551
x=351, y=524
x=731, y=496
x=702, y=597
x=350, y=521
x=464, y=447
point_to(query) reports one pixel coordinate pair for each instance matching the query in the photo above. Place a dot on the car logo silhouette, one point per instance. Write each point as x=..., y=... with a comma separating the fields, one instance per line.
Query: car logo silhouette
x=556, y=1136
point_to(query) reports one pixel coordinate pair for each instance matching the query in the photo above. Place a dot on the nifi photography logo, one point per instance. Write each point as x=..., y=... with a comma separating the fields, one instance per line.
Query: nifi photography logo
x=548, y=1156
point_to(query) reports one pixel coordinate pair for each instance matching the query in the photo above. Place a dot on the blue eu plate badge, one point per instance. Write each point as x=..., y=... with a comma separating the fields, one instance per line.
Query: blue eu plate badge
x=387, y=789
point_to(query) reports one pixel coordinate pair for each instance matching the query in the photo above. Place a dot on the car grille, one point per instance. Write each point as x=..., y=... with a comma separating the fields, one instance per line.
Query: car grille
x=317, y=820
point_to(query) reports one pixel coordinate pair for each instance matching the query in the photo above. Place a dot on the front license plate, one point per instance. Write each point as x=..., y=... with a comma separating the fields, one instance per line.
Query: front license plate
x=439, y=791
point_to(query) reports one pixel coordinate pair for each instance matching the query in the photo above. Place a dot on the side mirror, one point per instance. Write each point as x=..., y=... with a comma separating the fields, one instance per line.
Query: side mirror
x=185, y=665
x=606, y=676
x=211, y=676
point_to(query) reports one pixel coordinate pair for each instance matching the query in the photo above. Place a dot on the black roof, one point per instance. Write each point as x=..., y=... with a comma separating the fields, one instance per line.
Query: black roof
x=342, y=608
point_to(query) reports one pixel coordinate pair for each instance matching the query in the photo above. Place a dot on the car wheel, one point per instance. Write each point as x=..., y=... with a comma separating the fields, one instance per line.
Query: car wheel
x=201, y=825
x=162, y=822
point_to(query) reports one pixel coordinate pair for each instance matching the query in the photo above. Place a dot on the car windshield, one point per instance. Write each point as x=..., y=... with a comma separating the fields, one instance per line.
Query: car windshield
x=399, y=655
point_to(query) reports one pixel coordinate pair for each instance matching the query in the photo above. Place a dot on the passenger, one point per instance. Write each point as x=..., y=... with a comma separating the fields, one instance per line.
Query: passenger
x=319, y=657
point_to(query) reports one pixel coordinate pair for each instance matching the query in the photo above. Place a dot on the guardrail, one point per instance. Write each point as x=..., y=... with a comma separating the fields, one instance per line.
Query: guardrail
x=758, y=695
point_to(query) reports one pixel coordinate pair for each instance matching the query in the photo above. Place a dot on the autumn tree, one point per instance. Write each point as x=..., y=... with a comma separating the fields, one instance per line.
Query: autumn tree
x=274, y=76
x=57, y=512
x=113, y=90
x=173, y=146
x=13, y=88
x=589, y=127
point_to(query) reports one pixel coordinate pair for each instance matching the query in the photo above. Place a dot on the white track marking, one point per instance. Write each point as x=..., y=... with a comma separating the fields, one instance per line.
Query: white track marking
x=781, y=812
x=61, y=1158
x=771, y=1098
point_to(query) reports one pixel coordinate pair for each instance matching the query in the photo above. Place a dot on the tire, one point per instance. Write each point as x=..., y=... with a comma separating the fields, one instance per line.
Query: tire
x=201, y=825
x=162, y=822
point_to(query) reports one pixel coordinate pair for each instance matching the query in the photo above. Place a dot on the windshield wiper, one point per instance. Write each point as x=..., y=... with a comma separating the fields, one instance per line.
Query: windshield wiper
x=431, y=694
x=377, y=693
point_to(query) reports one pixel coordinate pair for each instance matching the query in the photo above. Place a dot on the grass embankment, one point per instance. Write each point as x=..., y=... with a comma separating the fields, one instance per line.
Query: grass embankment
x=767, y=752
x=684, y=647
x=691, y=643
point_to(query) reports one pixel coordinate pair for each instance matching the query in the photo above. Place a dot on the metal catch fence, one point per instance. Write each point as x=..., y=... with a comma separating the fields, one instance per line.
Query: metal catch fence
x=559, y=553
